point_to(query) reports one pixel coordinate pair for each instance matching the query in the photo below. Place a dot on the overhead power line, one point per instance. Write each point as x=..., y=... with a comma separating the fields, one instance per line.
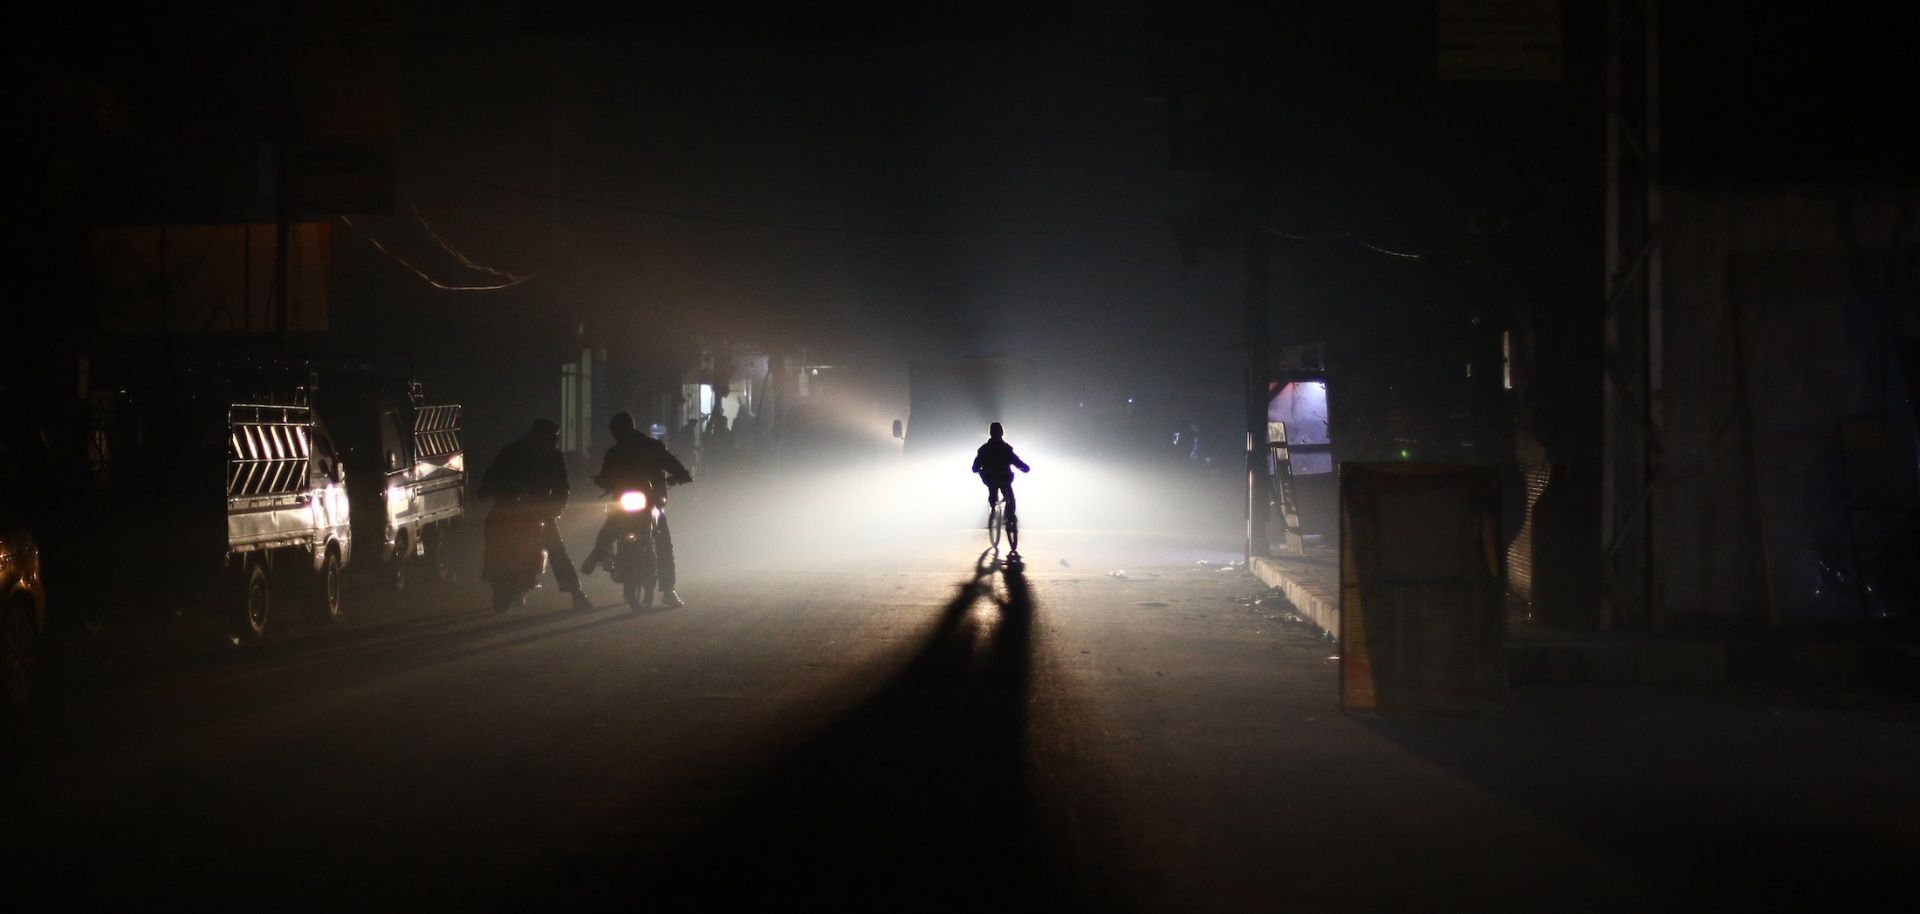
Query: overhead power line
x=396, y=258
x=447, y=246
x=1348, y=237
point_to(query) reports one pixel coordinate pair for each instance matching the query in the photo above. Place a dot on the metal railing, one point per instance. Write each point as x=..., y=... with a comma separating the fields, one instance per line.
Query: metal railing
x=269, y=449
x=436, y=431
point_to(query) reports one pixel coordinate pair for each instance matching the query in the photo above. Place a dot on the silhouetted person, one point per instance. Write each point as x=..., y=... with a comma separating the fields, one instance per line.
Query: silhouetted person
x=639, y=463
x=531, y=470
x=994, y=463
x=719, y=436
x=744, y=428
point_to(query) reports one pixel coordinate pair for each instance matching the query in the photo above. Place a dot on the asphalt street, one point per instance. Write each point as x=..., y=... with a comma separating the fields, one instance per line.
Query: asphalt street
x=907, y=726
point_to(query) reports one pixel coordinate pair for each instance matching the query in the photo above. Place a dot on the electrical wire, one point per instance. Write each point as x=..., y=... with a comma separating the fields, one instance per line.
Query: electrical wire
x=422, y=273
x=1407, y=255
x=456, y=254
x=1347, y=236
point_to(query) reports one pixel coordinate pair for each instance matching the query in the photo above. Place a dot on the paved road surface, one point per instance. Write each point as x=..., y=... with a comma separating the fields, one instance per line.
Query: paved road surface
x=905, y=729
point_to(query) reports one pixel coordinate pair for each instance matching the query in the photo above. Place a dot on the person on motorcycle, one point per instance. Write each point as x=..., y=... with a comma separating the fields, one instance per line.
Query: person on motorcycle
x=994, y=464
x=637, y=462
x=532, y=471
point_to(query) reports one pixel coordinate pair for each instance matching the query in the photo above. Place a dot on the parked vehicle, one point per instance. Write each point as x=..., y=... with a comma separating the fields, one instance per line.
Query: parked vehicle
x=318, y=456
x=515, y=555
x=407, y=479
x=23, y=614
x=286, y=502
x=213, y=483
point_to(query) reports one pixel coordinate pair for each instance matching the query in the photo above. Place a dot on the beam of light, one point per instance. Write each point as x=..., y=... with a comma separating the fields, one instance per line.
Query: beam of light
x=895, y=512
x=936, y=490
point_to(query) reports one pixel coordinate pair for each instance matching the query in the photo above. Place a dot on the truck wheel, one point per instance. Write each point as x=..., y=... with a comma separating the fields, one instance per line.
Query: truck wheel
x=256, y=602
x=397, y=566
x=437, y=567
x=327, y=588
x=19, y=660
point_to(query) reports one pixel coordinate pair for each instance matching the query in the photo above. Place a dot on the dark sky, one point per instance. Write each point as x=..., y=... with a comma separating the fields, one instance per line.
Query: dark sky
x=884, y=181
x=874, y=196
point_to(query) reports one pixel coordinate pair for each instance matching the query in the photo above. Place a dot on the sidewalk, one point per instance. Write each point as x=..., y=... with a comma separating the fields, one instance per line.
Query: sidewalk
x=1882, y=654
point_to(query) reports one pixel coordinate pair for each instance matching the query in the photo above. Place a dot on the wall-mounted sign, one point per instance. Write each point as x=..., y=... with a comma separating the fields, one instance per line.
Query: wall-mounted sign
x=1499, y=39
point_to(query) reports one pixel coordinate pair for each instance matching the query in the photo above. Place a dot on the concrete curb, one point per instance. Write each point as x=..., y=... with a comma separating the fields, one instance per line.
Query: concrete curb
x=1317, y=602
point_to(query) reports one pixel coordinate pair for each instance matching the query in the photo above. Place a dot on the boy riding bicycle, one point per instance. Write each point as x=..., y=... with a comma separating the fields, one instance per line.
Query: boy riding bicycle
x=994, y=463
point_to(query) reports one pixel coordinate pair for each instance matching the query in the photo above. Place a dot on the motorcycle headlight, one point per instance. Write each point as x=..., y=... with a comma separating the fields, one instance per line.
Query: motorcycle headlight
x=633, y=502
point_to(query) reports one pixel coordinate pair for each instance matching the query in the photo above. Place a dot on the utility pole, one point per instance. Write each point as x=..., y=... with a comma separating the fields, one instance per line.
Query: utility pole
x=282, y=116
x=1631, y=361
x=1256, y=328
x=1256, y=332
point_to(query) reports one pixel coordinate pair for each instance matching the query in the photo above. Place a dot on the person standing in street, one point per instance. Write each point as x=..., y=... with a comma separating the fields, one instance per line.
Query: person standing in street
x=532, y=470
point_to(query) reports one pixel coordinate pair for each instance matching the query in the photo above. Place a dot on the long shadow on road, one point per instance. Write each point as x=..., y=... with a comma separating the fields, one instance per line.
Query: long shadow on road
x=916, y=800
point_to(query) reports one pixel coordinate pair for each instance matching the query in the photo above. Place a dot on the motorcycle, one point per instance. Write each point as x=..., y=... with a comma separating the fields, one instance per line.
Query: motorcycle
x=515, y=556
x=635, y=516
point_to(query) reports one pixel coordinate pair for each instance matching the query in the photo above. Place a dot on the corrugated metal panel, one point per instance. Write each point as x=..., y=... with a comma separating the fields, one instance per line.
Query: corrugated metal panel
x=1536, y=471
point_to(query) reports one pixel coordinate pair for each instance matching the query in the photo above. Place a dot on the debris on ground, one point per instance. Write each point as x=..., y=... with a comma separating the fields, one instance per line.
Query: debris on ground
x=1117, y=573
x=1149, y=603
x=1272, y=596
x=1272, y=605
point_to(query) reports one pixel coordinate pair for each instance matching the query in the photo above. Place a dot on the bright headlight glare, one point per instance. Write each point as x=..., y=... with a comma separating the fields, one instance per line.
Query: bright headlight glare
x=633, y=502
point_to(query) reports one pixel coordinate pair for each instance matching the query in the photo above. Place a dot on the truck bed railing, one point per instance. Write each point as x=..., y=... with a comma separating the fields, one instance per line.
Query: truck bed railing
x=436, y=431
x=269, y=449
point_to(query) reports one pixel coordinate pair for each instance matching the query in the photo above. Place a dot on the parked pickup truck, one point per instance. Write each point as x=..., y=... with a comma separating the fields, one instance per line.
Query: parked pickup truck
x=407, y=476
x=287, y=506
x=324, y=462
x=206, y=483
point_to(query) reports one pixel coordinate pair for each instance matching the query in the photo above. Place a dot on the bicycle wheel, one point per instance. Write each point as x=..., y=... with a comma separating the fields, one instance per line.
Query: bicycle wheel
x=995, y=523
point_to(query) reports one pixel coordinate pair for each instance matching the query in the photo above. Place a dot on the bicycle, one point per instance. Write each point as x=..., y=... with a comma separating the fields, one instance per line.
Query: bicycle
x=997, y=525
